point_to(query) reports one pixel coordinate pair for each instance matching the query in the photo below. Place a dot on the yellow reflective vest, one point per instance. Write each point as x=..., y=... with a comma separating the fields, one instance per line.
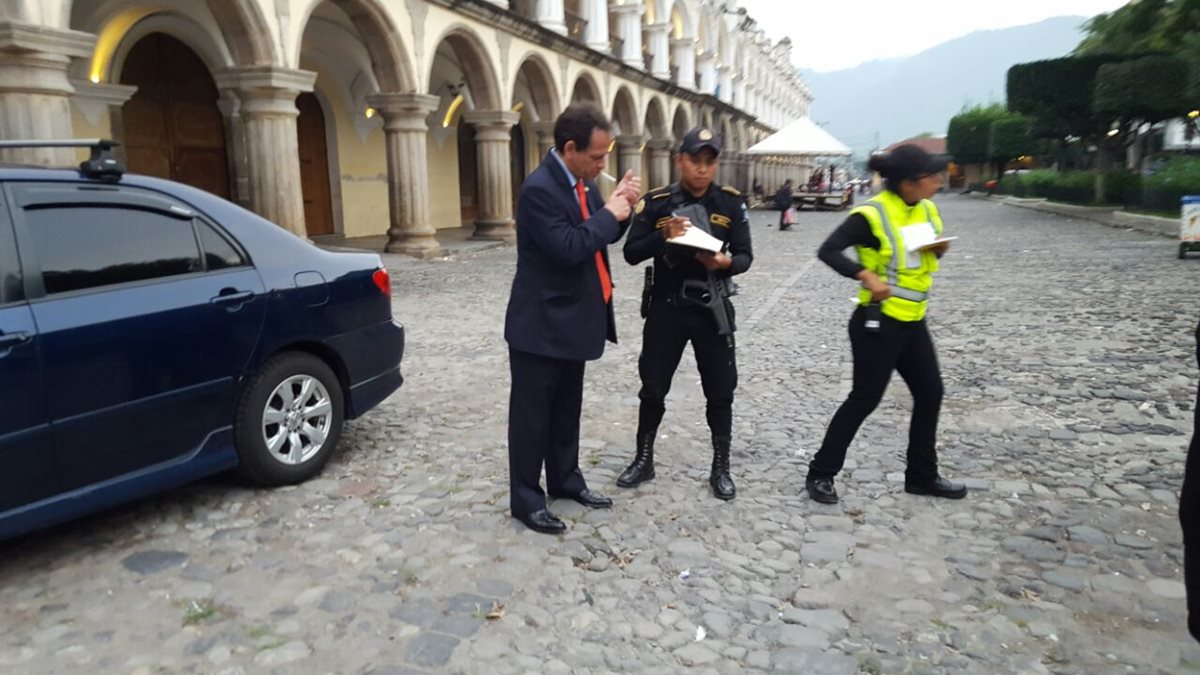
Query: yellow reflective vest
x=909, y=274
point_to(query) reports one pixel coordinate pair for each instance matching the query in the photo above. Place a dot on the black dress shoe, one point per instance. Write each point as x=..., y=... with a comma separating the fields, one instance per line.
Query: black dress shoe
x=545, y=522
x=821, y=490
x=938, y=487
x=592, y=500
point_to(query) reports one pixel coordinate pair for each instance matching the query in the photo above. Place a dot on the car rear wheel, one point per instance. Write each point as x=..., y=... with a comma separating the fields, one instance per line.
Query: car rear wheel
x=289, y=420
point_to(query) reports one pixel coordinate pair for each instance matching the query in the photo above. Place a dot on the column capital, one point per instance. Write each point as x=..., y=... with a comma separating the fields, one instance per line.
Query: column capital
x=265, y=78
x=492, y=119
x=25, y=37
x=627, y=8
x=660, y=144
x=403, y=112
x=680, y=43
x=627, y=141
x=657, y=28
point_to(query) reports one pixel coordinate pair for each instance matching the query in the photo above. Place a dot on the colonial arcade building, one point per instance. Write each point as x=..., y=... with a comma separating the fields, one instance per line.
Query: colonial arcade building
x=365, y=117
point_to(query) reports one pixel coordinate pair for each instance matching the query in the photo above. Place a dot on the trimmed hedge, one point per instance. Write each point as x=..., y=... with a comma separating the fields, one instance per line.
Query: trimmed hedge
x=1160, y=192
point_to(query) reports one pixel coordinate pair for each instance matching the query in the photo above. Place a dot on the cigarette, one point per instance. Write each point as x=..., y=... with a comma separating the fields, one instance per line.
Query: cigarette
x=604, y=174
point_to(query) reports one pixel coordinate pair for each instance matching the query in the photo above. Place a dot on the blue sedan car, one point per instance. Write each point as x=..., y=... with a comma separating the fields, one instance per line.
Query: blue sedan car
x=152, y=333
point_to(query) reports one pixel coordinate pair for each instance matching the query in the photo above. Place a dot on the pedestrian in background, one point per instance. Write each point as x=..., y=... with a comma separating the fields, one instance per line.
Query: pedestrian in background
x=1189, y=516
x=560, y=311
x=887, y=329
x=783, y=202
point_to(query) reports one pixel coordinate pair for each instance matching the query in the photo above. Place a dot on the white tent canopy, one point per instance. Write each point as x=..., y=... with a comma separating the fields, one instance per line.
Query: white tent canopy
x=801, y=138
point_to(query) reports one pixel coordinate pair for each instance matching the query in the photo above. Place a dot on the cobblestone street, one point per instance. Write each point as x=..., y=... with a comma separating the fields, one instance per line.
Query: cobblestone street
x=1067, y=352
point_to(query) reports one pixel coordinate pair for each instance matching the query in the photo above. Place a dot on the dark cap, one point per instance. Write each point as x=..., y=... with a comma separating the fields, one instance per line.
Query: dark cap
x=699, y=138
x=906, y=162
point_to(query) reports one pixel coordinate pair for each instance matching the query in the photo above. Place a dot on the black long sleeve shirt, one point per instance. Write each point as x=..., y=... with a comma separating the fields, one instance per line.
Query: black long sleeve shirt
x=729, y=222
x=854, y=231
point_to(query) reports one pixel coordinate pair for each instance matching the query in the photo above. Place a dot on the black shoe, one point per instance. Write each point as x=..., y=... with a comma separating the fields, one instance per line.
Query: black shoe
x=641, y=469
x=938, y=487
x=821, y=490
x=545, y=522
x=719, y=478
x=592, y=500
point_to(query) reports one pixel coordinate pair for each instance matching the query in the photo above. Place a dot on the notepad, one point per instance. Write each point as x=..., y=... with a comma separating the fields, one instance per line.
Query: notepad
x=699, y=239
x=921, y=236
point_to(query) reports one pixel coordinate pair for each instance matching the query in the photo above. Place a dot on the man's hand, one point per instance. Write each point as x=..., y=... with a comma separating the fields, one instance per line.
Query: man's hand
x=676, y=226
x=714, y=261
x=872, y=282
x=619, y=205
x=630, y=187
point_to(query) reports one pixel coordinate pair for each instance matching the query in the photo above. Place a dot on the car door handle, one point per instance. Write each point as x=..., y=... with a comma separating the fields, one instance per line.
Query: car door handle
x=230, y=296
x=10, y=340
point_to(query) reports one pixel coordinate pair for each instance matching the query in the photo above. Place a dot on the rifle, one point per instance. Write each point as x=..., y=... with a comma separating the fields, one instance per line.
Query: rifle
x=712, y=294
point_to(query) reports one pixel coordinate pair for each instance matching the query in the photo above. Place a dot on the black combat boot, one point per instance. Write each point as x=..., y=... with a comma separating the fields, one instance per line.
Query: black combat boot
x=642, y=467
x=719, y=479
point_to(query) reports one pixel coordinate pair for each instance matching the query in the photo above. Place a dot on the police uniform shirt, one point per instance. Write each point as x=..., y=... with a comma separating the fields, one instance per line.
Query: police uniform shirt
x=728, y=220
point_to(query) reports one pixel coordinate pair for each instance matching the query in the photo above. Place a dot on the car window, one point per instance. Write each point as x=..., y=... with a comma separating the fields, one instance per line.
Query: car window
x=10, y=268
x=219, y=254
x=79, y=248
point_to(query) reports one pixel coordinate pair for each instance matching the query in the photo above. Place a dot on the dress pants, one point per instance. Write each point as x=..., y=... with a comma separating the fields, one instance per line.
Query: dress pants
x=904, y=347
x=1189, y=516
x=543, y=429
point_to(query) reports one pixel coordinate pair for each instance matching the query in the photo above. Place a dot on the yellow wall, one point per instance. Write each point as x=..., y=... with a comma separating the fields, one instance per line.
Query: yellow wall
x=442, y=154
x=362, y=163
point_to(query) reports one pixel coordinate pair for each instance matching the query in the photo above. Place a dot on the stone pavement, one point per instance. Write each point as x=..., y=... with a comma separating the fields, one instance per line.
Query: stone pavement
x=1066, y=348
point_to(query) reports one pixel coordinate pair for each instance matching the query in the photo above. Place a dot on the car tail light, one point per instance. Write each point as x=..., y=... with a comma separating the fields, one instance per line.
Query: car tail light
x=382, y=281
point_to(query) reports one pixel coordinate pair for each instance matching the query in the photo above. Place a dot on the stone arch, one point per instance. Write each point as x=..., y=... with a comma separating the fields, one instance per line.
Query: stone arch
x=390, y=61
x=624, y=113
x=681, y=121
x=479, y=75
x=655, y=123
x=681, y=20
x=537, y=77
x=211, y=50
x=249, y=36
x=586, y=89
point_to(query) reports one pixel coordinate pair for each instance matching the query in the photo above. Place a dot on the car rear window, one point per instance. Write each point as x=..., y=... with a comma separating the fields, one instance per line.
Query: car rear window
x=80, y=248
x=219, y=254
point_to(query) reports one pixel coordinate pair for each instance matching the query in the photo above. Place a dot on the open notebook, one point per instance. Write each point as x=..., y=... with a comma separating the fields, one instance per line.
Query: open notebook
x=698, y=239
x=921, y=236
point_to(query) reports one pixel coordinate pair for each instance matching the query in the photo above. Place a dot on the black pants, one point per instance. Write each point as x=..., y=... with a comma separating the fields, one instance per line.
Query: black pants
x=783, y=224
x=1189, y=516
x=669, y=327
x=904, y=347
x=543, y=428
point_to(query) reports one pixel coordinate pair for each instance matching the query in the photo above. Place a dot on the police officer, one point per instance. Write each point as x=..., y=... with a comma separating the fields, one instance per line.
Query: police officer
x=673, y=315
x=887, y=330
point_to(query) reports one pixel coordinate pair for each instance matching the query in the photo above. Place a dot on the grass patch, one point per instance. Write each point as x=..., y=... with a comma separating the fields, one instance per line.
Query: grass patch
x=198, y=612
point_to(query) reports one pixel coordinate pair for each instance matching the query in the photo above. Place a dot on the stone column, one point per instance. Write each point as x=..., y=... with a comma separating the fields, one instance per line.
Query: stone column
x=545, y=137
x=492, y=128
x=269, y=113
x=725, y=83
x=405, y=129
x=629, y=155
x=550, y=15
x=706, y=65
x=595, y=34
x=660, y=57
x=629, y=29
x=739, y=93
x=660, y=162
x=685, y=62
x=35, y=95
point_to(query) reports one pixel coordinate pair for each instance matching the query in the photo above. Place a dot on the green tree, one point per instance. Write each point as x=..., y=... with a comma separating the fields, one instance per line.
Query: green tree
x=1009, y=137
x=969, y=132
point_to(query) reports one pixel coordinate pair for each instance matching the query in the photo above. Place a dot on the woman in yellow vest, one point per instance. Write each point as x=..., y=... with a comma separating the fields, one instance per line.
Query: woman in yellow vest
x=898, y=237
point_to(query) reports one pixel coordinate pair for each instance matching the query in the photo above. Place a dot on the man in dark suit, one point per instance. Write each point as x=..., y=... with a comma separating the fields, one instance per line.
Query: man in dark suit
x=560, y=311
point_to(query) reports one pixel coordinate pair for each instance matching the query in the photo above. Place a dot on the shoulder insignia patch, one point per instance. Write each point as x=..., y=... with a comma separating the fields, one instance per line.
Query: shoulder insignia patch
x=640, y=206
x=720, y=220
x=661, y=195
x=662, y=222
x=731, y=190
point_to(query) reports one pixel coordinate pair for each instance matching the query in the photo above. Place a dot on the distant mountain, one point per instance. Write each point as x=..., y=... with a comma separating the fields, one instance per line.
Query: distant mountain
x=903, y=97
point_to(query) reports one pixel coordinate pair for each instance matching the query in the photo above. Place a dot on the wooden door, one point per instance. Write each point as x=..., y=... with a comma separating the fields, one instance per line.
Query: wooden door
x=468, y=172
x=172, y=126
x=314, y=166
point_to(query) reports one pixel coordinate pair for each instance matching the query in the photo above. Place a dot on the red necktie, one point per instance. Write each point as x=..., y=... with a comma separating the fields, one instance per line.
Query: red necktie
x=605, y=280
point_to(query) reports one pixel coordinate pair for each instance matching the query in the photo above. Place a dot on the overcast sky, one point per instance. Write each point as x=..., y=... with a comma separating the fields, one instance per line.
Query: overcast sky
x=832, y=34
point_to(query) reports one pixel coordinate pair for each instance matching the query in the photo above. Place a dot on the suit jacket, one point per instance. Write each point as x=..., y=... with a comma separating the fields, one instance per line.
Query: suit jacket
x=557, y=308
